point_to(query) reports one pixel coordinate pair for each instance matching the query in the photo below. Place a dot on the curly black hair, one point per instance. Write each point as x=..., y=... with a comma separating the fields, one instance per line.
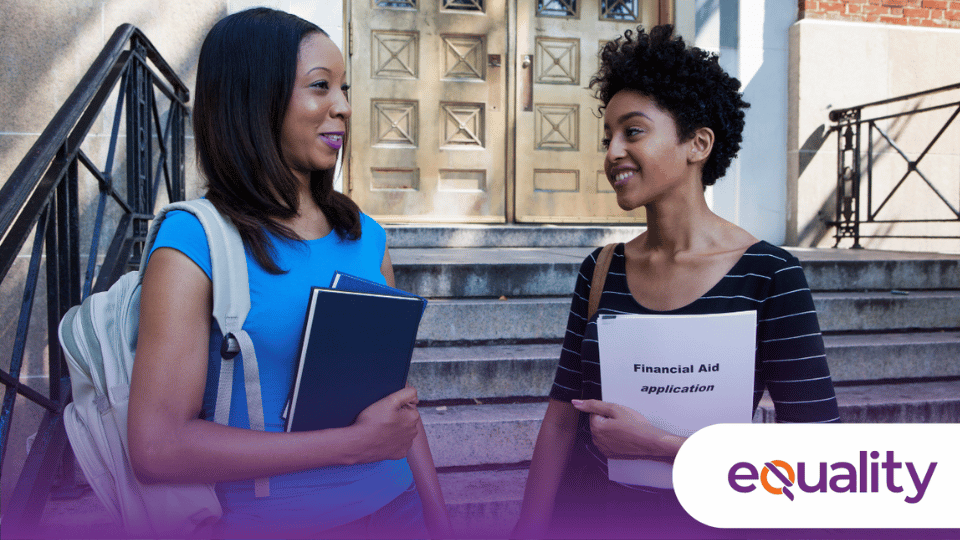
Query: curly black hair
x=687, y=82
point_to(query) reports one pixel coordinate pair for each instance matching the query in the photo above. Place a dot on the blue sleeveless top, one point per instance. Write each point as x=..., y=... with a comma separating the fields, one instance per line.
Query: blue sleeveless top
x=315, y=499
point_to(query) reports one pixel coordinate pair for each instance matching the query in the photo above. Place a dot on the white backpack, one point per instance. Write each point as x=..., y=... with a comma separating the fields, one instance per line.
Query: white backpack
x=99, y=339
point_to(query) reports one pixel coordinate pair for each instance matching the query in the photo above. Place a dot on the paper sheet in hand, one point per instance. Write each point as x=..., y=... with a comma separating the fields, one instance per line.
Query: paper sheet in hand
x=682, y=372
x=356, y=350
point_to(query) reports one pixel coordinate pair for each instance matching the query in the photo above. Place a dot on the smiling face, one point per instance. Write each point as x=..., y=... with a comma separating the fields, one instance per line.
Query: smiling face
x=645, y=158
x=316, y=120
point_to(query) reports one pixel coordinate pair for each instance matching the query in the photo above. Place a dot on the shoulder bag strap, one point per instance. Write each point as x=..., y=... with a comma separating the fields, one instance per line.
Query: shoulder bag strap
x=599, y=278
x=231, y=304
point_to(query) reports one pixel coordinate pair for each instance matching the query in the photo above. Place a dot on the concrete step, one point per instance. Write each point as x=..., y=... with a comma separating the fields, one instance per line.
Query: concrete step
x=483, y=372
x=862, y=269
x=475, y=320
x=472, y=236
x=551, y=271
x=893, y=403
x=496, y=372
x=488, y=272
x=486, y=503
x=874, y=357
x=467, y=435
x=481, y=320
x=883, y=311
x=901, y=403
x=77, y=517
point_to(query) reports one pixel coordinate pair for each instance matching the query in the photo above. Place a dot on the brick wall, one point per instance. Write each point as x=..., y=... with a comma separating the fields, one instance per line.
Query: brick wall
x=929, y=13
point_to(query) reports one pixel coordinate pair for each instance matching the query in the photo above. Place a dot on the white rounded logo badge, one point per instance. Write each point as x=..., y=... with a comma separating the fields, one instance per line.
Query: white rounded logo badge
x=832, y=476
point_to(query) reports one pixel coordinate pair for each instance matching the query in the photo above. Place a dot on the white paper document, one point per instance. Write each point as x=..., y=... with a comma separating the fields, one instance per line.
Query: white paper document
x=682, y=372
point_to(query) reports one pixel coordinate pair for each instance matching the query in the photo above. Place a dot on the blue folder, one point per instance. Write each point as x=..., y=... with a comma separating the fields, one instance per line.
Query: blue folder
x=356, y=349
x=349, y=282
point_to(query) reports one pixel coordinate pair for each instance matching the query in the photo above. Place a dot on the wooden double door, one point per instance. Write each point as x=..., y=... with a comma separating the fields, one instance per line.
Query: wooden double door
x=478, y=110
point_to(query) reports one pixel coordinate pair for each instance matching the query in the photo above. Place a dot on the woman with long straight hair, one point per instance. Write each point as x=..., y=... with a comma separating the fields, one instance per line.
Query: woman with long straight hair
x=270, y=118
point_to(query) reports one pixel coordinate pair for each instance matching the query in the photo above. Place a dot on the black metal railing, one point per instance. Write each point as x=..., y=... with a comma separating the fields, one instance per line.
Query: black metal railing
x=41, y=196
x=859, y=199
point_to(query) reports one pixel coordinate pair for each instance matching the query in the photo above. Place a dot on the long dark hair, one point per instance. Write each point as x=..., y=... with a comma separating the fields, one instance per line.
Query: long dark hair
x=245, y=77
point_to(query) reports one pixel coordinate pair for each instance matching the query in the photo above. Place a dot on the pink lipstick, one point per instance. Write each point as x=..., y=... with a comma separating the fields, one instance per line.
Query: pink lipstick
x=333, y=140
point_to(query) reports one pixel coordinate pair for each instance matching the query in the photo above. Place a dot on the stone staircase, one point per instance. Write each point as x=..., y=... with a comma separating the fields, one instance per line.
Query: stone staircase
x=491, y=335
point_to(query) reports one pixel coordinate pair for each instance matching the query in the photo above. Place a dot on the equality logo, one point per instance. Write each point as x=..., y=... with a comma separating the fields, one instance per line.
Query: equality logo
x=839, y=477
x=813, y=476
x=787, y=479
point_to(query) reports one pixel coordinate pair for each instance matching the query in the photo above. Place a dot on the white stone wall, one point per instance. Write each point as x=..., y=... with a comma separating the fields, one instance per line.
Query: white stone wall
x=836, y=65
x=751, y=38
x=47, y=46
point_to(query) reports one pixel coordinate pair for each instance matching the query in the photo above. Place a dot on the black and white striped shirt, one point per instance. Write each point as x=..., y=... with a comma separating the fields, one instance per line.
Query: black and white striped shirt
x=790, y=359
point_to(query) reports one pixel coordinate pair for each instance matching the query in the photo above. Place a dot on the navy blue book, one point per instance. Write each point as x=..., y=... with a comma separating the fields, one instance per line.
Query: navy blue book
x=349, y=282
x=356, y=349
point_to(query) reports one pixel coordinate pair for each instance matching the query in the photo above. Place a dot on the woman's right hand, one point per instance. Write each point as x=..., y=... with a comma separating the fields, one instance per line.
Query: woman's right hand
x=620, y=432
x=389, y=425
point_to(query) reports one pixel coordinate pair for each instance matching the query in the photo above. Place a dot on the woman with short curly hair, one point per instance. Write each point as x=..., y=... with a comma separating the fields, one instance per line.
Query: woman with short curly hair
x=672, y=124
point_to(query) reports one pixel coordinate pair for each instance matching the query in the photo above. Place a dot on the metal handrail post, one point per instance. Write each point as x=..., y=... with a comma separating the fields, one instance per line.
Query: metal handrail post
x=42, y=197
x=855, y=188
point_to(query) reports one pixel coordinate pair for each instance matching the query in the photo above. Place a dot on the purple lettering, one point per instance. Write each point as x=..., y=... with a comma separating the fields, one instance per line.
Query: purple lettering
x=917, y=483
x=821, y=484
x=733, y=476
x=850, y=478
x=889, y=465
x=863, y=471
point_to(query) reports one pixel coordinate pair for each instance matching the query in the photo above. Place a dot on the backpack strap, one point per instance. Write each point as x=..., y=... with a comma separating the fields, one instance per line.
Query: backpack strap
x=231, y=304
x=599, y=278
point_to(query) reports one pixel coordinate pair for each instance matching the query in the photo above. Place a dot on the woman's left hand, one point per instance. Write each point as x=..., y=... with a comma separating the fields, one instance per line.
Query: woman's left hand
x=623, y=433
